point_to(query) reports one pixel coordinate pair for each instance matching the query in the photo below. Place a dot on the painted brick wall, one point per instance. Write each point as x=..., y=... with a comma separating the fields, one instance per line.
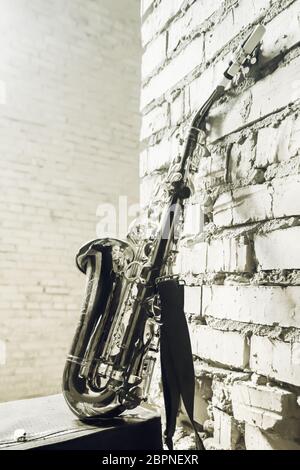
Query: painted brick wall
x=242, y=270
x=69, y=120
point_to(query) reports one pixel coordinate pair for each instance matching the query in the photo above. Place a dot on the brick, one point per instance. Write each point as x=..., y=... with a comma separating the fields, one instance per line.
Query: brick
x=217, y=38
x=282, y=33
x=154, y=55
x=145, y=5
x=255, y=439
x=193, y=220
x=240, y=159
x=212, y=345
x=212, y=167
x=143, y=163
x=271, y=398
x=274, y=41
x=279, y=144
x=192, y=300
x=203, y=393
x=267, y=420
x=248, y=204
x=232, y=24
x=158, y=156
x=155, y=120
x=161, y=14
x=191, y=21
x=290, y=141
x=278, y=249
x=147, y=186
x=260, y=100
x=229, y=255
x=226, y=431
x=177, y=110
x=200, y=410
x=261, y=305
x=222, y=381
x=204, y=385
x=193, y=260
x=222, y=213
x=251, y=204
x=174, y=71
x=266, y=150
x=271, y=357
x=215, y=256
x=221, y=398
x=286, y=201
x=201, y=87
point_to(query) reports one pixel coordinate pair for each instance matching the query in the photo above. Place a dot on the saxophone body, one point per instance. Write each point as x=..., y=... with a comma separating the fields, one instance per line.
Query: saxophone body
x=113, y=353
x=110, y=360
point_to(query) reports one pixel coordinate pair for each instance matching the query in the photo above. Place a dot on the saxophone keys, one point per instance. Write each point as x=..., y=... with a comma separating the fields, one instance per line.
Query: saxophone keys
x=134, y=379
x=175, y=177
x=148, y=249
x=132, y=398
x=201, y=136
x=117, y=375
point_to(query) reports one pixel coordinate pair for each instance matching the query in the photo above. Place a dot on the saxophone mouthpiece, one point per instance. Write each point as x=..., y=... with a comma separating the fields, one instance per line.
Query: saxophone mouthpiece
x=254, y=39
x=243, y=55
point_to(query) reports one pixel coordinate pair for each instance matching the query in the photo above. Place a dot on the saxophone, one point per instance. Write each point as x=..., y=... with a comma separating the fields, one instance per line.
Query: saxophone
x=113, y=354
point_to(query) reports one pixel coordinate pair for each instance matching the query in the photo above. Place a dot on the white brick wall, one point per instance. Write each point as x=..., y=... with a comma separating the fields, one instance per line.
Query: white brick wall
x=242, y=265
x=262, y=305
x=259, y=202
x=69, y=141
x=173, y=72
x=264, y=98
x=255, y=439
x=277, y=359
x=271, y=398
x=226, y=432
x=272, y=253
x=160, y=16
x=211, y=344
